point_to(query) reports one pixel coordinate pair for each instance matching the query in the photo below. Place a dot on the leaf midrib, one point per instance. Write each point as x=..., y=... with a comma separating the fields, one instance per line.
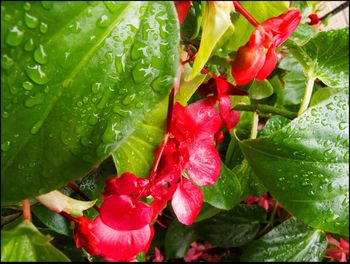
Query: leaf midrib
x=73, y=73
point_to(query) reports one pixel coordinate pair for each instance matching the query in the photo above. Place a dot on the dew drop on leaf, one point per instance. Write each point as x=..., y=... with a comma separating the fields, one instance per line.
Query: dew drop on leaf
x=6, y=62
x=27, y=6
x=30, y=21
x=34, y=100
x=5, y=146
x=103, y=21
x=37, y=75
x=35, y=129
x=128, y=99
x=47, y=4
x=40, y=55
x=29, y=45
x=14, y=36
x=27, y=85
x=5, y=114
x=43, y=27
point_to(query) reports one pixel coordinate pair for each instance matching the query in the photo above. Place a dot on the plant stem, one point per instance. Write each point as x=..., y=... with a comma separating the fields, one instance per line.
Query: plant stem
x=69, y=217
x=336, y=10
x=245, y=13
x=26, y=210
x=270, y=222
x=307, y=96
x=254, y=129
x=266, y=109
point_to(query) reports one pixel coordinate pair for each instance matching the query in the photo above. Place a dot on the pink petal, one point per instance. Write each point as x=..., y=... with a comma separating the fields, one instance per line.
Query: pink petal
x=127, y=184
x=269, y=65
x=187, y=201
x=204, y=164
x=122, y=213
x=84, y=238
x=182, y=126
x=230, y=117
x=116, y=245
x=182, y=9
x=158, y=255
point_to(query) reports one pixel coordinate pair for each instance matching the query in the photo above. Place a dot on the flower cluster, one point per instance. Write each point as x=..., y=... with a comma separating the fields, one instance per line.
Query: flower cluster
x=338, y=250
x=258, y=58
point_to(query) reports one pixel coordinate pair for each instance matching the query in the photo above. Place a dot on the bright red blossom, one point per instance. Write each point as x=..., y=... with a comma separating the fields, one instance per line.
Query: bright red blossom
x=182, y=9
x=314, y=20
x=258, y=58
x=341, y=250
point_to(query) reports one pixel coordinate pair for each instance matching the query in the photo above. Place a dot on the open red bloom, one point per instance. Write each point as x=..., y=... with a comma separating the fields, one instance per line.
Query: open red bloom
x=257, y=59
x=84, y=237
x=340, y=251
x=182, y=9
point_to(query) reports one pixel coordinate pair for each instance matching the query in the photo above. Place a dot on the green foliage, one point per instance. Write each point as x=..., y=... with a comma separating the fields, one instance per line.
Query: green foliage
x=26, y=243
x=59, y=121
x=290, y=241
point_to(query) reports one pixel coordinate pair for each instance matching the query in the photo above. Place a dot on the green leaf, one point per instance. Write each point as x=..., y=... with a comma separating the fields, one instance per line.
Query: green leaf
x=215, y=24
x=233, y=228
x=291, y=241
x=260, y=10
x=206, y=212
x=178, y=239
x=52, y=220
x=294, y=87
x=322, y=94
x=226, y=192
x=273, y=124
x=250, y=184
x=326, y=55
x=305, y=165
x=26, y=243
x=260, y=90
x=136, y=154
x=74, y=96
x=303, y=33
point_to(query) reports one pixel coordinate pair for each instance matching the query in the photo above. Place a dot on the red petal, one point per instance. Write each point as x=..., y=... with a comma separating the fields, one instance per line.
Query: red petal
x=269, y=66
x=182, y=123
x=127, y=184
x=314, y=19
x=187, y=202
x=116, y=245
x=182, y=9
x=226, y=88
x=84, y=237
x=230, y=117
x=204, y=164
x=122, y=213
x=248, y=62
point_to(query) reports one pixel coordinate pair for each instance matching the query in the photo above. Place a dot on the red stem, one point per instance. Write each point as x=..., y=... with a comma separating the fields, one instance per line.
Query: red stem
x=245, y=13
x=26, y=210
x=81, y=194
x=170, y=111
x=69, y=217
x=159, y=155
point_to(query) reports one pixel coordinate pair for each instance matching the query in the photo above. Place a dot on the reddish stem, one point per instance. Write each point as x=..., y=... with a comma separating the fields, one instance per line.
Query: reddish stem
x=245, y=13
x=170, y=111
x=81, y=194
x=26, y=210
x=69, y=217
x=159, y=155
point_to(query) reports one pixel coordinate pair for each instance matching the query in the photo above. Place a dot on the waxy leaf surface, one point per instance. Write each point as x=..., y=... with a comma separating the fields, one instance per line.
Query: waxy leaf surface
x=76, y=77
x=305, y=165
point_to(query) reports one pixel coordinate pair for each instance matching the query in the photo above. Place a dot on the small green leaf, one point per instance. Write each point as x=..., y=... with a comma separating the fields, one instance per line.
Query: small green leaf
x=178, y=239
x=305, y=165
x=206, y=212
x=273, y=124
x=260, y=90
x=294, y=87
x=226, y=192
x=77, y=86
x=303, y=33
x=291, y=241
x=216, y=22
x=233, y=228
x=326, y=55
x=26, y=243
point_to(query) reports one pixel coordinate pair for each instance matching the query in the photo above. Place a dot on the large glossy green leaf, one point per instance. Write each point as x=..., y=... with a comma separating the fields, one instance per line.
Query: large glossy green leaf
x=290, y=241
x=326, y=55
x=25, y=243
x=305, y=164
x=75, y=79
x=260, y=10
x=178, y=239
x=136, y=154
x=226, y=192
x=233, y=228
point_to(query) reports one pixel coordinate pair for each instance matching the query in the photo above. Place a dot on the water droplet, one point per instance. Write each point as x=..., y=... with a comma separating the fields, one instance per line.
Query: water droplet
x=138, y=73
x=27, y=85
x=74, y=28
x=29, y=45
x=43, y=27
x=35, y=129
x=85, y=141
x=330, y=187
x=121, y=112
x=342, y=125
x=162, y=83
x=330, y=106
x=40, y=55
x=93, y=119
x=47, y=4
x=346, y=156
x=128, y=99
x=34, y=100
x=27, y=6
x=14, y=36
x=313, y=112
x=139, y=105
x=5, y=146
x=103, y=21
x=85, y=99
x=111, y=5
x=30, y=21
x=37, y=74
x=6, y=62
x=5, y=114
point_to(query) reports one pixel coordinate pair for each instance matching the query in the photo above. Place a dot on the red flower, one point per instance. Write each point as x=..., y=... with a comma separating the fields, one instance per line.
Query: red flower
x=187, y=201
x=158, y=255
x=252, y=60
x=340, y=252
x=198, y=250
x=84, y=237
x=182, y=9
x=314, y=20
x=264, y=202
